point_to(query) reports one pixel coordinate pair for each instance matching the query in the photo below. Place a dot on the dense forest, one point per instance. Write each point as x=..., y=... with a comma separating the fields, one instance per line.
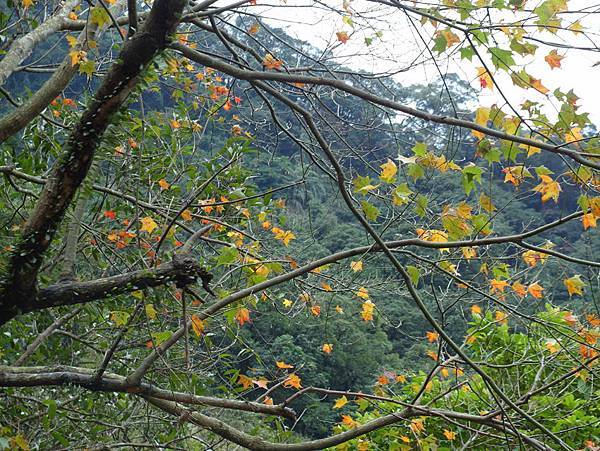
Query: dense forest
x=214, y=235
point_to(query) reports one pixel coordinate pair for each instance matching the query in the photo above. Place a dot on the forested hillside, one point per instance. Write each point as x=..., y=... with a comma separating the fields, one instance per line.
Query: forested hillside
x=215, y=235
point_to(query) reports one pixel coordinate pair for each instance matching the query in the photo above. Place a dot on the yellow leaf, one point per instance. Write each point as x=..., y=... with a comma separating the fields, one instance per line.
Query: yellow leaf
x=242, y=316
x=270, y=62
x=574, y=285
x=348, y=421
x=326, y=286
x=244, y=381
x=367, y=311
x=72, y=15
x=362, y=293
x=573, y=135
x=475, y=310
x=482, y=115
x=548, y=188
x=27, y=3
x=150, y=311
x=388, y=171
x=449, y=434
x=148, y=224
x=283, y=365
x=186, y=215
x=292, y=381
x=77, y=56
x=501, y=317
x=198, y=326
x=72, y=40
x=339, y=309
x=469, y=252
x=538, y=86
x=340, y=402
x=287, y=303
x=315, y=310
x=485, y=80
x=358, y=265
x=327, y=348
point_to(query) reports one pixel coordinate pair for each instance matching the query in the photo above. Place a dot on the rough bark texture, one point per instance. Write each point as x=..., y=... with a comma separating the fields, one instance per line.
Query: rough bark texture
x=20, y=282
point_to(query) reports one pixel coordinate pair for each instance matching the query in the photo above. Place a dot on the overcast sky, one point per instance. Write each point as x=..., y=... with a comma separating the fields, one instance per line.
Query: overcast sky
x=400, y=46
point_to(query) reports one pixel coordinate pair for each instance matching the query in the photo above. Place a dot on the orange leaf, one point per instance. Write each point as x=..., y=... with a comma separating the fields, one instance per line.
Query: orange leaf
x=342, y=36
x=292, y=381
x=243, y=316
x=197, y=325
x=535, y=289
x=553, y=59
x=327, y=348
x=281, y=364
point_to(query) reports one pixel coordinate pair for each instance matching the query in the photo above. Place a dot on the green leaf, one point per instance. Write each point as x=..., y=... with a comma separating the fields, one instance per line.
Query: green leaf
x=470, y=175
x=371, y=212
x=228, y=256
x=414, y=274
x=501, y=59
x=421, y=205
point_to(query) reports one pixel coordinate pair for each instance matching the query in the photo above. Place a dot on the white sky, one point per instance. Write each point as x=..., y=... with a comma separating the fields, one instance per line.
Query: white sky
x=400, y=46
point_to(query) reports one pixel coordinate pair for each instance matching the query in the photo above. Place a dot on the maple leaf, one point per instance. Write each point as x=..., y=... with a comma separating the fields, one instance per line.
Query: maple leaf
x=552, y=346
x=270, y=62
x=315, y=310
x=538, y=86
x=285, y=236
x=405, y=439
x=533, y=257
x=342, y=36
x=326, y=286
x=261, y=383
x=469, y=252
x=72, y=40
x=268, y=401
x=339, y=309
x=574, y=285
x=110, y=214
x=588, y=220
x=281, y=364
x=150, y=311
x=449, y=434
x=501, y=317
x=27, y=3
x=548, y=188
x=519, y=289
x=362, y=293
x=293, y=381
x=417, y=426
x=485, y=80
x=553, y=59
x=497, y=286
x=475, y=310
x=388, y=171
x=356, y=266
x=163, y=184
x=516, y=174
x=244, y=381
x=186, y=215
x=340, y=402
x=327, y=348
x=148, y=224
x=242, y=316
x=76, y=56
x=287, y=303
x=197, y=325
x=535, y=289
x=348, y=421
x=367, y=311
x=253, y=29
x=432, y=336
